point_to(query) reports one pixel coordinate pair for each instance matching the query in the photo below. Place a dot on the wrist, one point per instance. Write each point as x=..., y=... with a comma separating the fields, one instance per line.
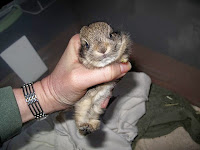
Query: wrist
x=24, y=110
x=48, y=98
x=48, y=103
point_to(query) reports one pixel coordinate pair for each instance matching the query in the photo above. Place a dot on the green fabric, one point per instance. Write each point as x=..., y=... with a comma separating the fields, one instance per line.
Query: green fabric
x=9, y=19
x=10, y=122
x=165, y=111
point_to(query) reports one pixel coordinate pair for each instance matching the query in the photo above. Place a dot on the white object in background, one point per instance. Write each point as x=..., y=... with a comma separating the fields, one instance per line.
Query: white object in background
x=24, y=60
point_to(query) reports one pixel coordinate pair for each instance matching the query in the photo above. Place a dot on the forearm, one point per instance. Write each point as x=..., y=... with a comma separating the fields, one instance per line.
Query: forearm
x=45, y=98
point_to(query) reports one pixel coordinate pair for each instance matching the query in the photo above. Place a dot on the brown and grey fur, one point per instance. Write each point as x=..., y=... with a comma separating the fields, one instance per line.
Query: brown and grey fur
x=100, y=46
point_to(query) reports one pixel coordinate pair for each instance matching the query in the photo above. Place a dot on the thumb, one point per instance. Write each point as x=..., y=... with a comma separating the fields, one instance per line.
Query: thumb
x=109, y=73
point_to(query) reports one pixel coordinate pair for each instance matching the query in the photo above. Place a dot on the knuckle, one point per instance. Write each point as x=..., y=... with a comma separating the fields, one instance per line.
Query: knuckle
x=75, y=39
x=109, y=73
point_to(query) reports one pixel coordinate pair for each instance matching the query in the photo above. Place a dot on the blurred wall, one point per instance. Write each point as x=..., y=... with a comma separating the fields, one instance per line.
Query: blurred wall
x=171, y=27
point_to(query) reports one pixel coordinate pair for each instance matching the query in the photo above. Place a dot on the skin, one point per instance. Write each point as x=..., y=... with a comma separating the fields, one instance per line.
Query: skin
x=68, y=82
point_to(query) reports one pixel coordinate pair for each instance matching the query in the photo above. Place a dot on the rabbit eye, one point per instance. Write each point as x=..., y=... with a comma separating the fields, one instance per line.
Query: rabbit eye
x=111, y=35
x=87, y=45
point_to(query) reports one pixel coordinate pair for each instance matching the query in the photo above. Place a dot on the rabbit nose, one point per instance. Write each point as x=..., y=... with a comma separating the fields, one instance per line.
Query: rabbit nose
x=102, y=50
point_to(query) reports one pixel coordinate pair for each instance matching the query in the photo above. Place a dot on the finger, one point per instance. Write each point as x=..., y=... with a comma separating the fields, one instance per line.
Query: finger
x=105, y=103
x=72, y=50
x=112, y=72
x=106, y=74
x=75, y=42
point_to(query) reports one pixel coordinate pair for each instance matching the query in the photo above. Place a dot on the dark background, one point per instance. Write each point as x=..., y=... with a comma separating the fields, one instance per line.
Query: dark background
x=169, y=27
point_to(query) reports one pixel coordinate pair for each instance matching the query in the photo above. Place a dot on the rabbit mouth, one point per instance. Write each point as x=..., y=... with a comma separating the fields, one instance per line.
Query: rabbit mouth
x=105, y=61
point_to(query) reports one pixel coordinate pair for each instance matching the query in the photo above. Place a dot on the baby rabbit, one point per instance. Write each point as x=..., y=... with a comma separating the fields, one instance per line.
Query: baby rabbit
x=100, y=46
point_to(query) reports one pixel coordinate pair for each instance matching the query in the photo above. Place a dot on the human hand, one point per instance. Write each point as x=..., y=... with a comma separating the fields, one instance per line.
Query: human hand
x=70, y=80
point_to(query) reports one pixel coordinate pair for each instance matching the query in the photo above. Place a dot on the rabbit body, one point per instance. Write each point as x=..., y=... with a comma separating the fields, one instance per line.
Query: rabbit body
x=100, y=46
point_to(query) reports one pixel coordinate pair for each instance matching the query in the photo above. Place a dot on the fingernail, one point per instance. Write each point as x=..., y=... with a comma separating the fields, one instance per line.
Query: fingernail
x=125, y=67
x=130, y=66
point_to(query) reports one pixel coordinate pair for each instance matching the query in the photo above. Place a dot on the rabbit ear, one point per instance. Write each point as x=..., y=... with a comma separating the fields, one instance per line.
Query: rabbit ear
x=83, y=30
